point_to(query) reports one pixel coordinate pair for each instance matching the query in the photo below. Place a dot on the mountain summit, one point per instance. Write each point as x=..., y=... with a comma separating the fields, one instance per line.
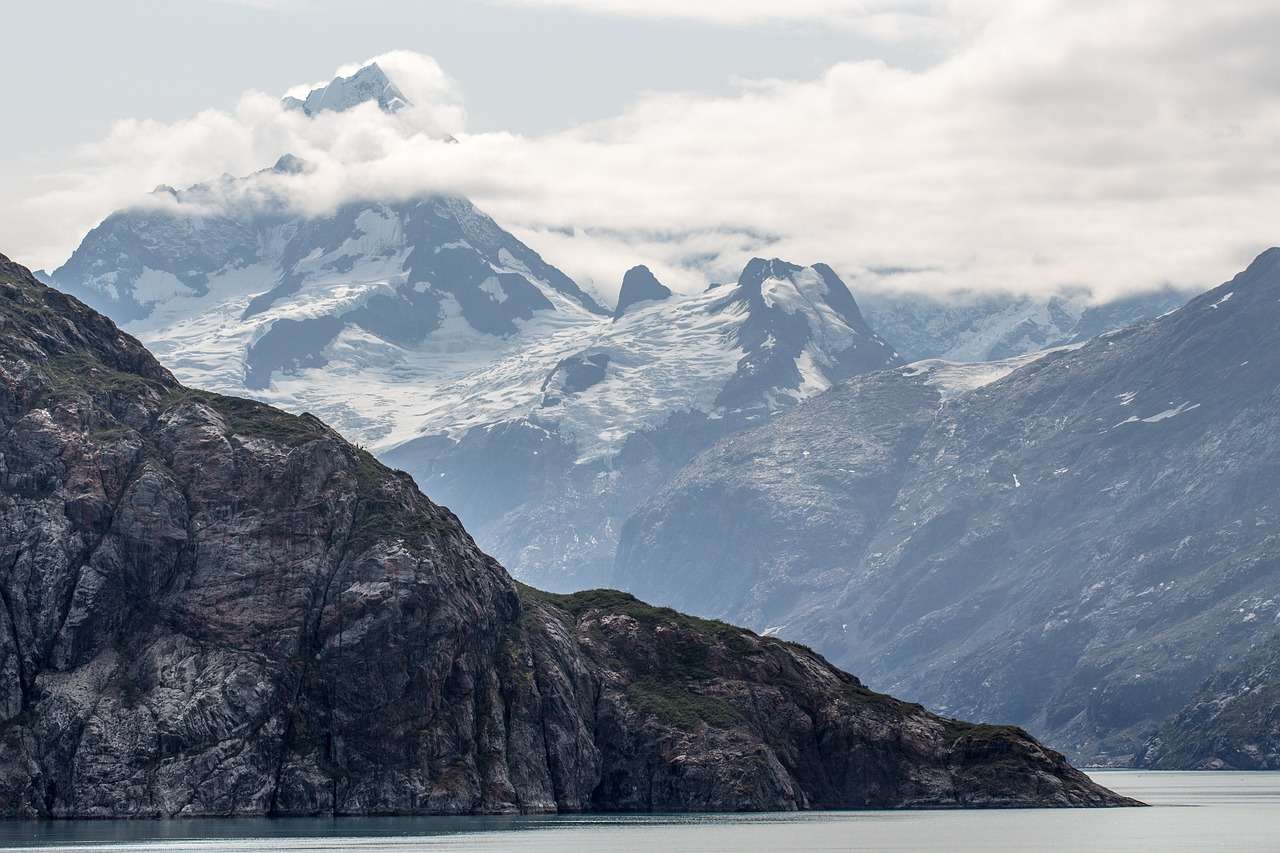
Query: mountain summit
x=252, y=295
x=370, y=83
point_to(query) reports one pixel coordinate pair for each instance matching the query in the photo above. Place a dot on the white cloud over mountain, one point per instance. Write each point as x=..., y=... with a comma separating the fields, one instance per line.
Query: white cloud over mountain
x=1112, y=145
x=883, y=18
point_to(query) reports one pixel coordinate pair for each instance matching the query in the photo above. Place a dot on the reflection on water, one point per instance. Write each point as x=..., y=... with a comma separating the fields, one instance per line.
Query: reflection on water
x=1233, y=812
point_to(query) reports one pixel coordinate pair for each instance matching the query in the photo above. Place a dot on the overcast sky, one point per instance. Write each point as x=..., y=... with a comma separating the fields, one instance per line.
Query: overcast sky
x=972, y=143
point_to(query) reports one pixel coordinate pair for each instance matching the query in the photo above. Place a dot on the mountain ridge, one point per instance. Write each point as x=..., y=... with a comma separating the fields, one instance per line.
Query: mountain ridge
x=212, y=607
x=580, y=434
x=965, y=546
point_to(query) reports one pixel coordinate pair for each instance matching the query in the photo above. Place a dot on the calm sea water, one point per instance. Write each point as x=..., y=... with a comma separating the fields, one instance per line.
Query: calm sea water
x=1191, y=812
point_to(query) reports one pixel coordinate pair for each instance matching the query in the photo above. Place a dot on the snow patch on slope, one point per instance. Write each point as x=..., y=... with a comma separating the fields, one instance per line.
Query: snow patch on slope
x=1181, y=408
x=951, y=378
x=662, y=359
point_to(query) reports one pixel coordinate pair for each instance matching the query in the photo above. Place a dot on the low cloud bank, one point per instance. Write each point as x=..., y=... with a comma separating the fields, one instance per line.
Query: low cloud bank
x=1117, y=147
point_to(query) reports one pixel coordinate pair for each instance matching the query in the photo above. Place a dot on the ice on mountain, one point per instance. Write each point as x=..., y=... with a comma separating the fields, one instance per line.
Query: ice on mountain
x=370, y=83
x=1160, y=416
x=1171, y=413
x=156, y=285
x=493, y=287
x=957, y=377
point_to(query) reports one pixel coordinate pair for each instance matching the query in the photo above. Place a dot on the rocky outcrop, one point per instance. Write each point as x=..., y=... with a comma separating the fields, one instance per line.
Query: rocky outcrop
x=211, y=607
x=639, y=285
x=1232, y=722
x=689, y=714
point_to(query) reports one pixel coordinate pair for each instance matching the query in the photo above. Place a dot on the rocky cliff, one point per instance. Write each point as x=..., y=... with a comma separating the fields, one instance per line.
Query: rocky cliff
x=214, y=608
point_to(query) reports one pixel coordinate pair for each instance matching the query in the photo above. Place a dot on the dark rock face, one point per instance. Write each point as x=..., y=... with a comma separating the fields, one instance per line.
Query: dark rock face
x=288, y=346
x=639, y=285
x=776, y=334
x=696, y=715
x=214, y=608
x=574, y=375
x=1074, y=548
x=1232, y=722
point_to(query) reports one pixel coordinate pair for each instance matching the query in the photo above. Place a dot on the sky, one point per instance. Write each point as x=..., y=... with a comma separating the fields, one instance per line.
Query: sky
x=933, y=145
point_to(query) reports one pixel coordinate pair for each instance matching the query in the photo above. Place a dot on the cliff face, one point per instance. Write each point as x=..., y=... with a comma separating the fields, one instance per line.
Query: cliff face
x=211, y=607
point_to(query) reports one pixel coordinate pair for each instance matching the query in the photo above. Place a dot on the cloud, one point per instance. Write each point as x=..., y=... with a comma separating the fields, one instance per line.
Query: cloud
x=883, y=18
x=1117, y=147
x=266, y=5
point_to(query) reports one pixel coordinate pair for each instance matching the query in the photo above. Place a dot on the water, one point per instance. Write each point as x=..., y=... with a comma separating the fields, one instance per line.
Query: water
x=1191, y=812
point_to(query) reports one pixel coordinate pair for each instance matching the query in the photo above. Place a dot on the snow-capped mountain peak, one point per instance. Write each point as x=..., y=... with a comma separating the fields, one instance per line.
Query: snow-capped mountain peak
x=288, y=164
x=392, y=297
x=370, y=83
x=801, y=332
x=740, y=351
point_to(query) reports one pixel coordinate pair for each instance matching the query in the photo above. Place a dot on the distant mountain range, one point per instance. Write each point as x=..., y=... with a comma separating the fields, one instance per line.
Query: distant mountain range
x=547, y=451
x=1074, y=541
x=969, y=327
x=213, y=607
x=927, y=489
x=427, y=332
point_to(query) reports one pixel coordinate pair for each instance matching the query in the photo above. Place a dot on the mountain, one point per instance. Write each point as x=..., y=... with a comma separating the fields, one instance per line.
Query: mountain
x=973, y=327
x=639, y=285
x=452, y=350
x=333, y=313
x=1231, y=723
x=547, y=451
x=369, y=83
x=428, y=333
x=211, y=607
x=1073, y=541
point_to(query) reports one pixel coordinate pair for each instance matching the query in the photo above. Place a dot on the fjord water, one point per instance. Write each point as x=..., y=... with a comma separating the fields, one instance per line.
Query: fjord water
x=1190, y=812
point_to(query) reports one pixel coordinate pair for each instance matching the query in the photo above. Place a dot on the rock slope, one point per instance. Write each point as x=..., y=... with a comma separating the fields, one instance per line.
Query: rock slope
x=639, y=285
x=1232, y=722
x=1073, y=545
x=214, y=608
